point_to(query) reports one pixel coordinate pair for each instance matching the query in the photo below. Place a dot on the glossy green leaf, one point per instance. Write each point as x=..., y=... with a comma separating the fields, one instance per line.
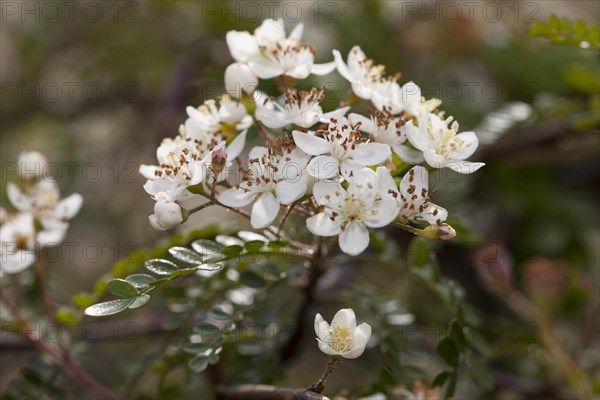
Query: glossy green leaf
x=161, y=267
x=121, y=288
x=108, y=308
x=140, y=280
x=448, y=351
x=186, y=255
x=139, y=301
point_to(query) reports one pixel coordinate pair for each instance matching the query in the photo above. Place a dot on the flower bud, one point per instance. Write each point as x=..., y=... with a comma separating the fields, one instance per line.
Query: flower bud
x=31, y=165
x=446, y=232
x=167, y=215
x=218, y=161
x=240, y=79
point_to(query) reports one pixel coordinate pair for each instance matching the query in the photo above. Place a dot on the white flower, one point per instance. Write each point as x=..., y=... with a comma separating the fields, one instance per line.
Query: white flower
x=19, y=242
x=441, y=145
x=342, y=338
x=269, y=53
x=167, y=215
x=386, y=129
x=43, y=200
x=412, y=196
x=350, y=213
x=392, y=98
x=31, y=165
x=341, y=148
x=240, y=79
x=365, y=78
x=270, y=180
x=300, y=109
x=186, y=160
x=208, y=120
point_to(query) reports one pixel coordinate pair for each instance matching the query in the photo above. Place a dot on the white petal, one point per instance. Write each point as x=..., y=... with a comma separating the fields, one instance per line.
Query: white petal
x=434, y=214
x=466, y=144
x=382, y=213
x=364, y=184
x=264, y=211
x=323, y=167
x=350, y=168
x=366, y=124
x=13, y=263
x=258, y=152
x=362, y=334
x=434, y=159
x=344, y=318
x=324, y=347
x=407, y=154
x=323, y=69
x=271, y=118
x=416, y=136
x=17, y=198
x=464, y=167
x=288, y=192
x=387, y=186
x=296, y=33
x=68, y=207
x=322, y=225
x=265, y=68
x=341, y=66
x=236, y=197
x=418, y=178
x=372, y=153
x=337, y=114
x=311, y=144
x=301, y=71
x=329, y=194
x=242, y=45
x=321, y=327
x=147, y=171
x=50, y=238
x=354, y=239
x=236, y=147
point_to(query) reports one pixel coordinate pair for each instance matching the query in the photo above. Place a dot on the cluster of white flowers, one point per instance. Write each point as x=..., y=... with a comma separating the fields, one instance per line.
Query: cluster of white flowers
x=345, y=174
x=40, y=218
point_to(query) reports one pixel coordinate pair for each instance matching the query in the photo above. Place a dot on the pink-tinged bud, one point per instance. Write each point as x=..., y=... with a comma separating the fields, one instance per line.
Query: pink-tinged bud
x=32, y=165
x=446, y=232
x=218, y=161
x=240, y=79
x=494, y=265
x=167, y=215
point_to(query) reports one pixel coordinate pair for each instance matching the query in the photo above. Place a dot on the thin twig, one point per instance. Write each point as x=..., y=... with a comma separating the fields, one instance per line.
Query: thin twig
x=320, y=385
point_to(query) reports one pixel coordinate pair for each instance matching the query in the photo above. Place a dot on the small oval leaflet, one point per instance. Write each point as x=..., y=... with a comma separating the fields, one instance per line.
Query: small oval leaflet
x=108, y=307
x=121, y=288
x=186, y=255
x=161, y=267
x=140, y=280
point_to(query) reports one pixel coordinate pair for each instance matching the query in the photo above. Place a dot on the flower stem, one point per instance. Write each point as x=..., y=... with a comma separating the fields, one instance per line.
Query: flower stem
x=320, y=385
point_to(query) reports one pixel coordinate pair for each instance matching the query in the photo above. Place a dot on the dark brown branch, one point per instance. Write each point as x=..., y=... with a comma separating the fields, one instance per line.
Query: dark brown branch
x=265, y=392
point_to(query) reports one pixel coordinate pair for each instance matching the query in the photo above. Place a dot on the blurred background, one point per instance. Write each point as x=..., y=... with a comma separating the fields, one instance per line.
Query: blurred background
x=96, y=86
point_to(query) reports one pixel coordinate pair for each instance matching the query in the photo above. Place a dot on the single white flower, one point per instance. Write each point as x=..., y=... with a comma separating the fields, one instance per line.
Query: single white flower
x=210, y=120
x=342, y=148
x=412, y=196
x=390, y=97
x=31, y=165
x=270, y=180
x=387, y=130
x=349, y=213
x=342, y=338
x=441, y=145
x=240, y=79
x=43, y=200
x=19, y=241
x=167, y=215
x=187, y=159
x=299, y=108
x=269, y=53
x=365, y=77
